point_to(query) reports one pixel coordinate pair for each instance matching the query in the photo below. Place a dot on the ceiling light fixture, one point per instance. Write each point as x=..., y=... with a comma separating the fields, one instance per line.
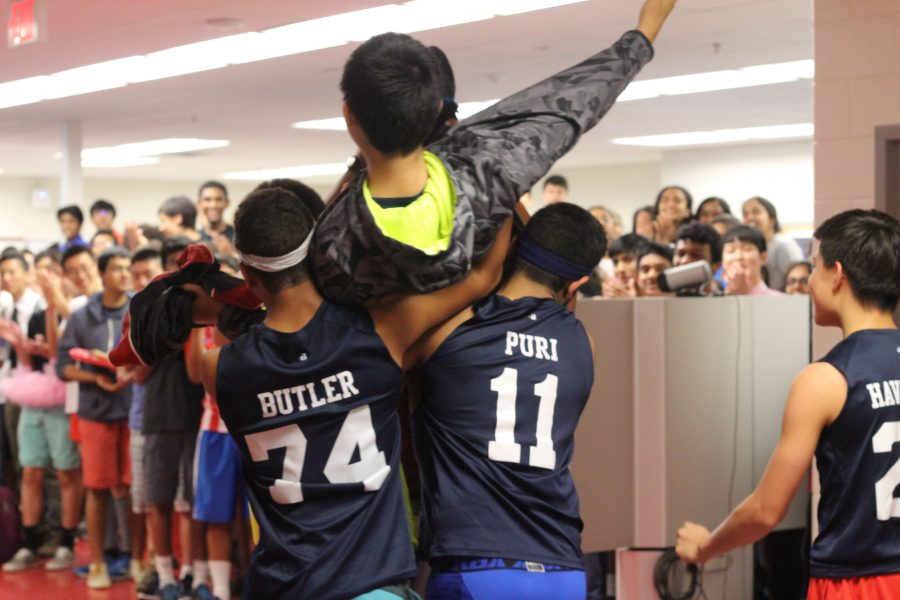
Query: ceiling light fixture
x=300, y=172
x=144, y=153
x=720, y=136
x=720, y=80
x=296, y=38
x=118, y=162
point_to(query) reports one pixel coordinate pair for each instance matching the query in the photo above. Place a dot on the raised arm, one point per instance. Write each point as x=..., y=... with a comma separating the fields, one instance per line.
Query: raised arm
x=402, y=321
x=521, y=136
x=815, y=400
x=653, y=14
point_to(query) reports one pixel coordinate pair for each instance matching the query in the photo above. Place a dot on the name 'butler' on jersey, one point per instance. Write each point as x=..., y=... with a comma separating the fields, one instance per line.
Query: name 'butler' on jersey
x=312, y=432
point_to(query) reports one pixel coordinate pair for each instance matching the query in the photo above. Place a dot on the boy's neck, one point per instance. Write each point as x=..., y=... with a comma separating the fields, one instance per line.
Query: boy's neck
x=396, y=176
x=292, y=308
x=859, y=318
x=520, y=286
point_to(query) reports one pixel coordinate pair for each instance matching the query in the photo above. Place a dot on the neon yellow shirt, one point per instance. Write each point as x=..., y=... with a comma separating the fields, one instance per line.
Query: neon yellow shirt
x=425, y=223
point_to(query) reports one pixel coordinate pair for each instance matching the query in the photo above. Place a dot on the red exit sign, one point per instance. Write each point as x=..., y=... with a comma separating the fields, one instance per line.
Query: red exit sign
x=24, y=23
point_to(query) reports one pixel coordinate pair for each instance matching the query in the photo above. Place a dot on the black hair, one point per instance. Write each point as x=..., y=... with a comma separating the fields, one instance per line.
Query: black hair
x=109, y=254
x=446, y=80
x=13, y=254
x=721, y=202
x=687, y=195
x=447, y=87
x=583, y=243
x=182, y=206
x=556, y=180
x=73, y=251
x=655, y=248
x=173, y=245
x=702, y=233
x=213, y=184
x=745, y=233
x=52, y=253
x=102, y=204
x=73, y=210
x=800, y=263
x=146, y=253
x=630, y=243
x=727, y=218
x=646, y=209
x=391, y=86
x=310, y=198
x=768, y=207
x=152, y=232
x=270, y=222
x=867, y=244
x=100, y=232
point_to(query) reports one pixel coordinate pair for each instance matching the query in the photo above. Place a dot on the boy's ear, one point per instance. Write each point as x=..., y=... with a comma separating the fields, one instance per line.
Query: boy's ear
x=250, y=277
x=839, y=277
x=573, y=287
x=348, y=115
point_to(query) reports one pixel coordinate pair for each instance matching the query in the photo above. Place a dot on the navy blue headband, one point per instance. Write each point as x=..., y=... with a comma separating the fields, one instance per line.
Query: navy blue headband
x=549, y=261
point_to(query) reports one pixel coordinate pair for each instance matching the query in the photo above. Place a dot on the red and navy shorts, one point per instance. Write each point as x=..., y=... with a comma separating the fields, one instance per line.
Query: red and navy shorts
x=874, y=587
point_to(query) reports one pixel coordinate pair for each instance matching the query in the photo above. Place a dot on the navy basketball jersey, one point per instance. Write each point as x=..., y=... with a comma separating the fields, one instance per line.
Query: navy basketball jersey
x=494, y=436
x=858, y=458
x=314, y=414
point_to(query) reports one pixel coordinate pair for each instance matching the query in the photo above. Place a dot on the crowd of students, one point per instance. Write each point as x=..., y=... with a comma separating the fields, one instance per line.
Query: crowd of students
x=129, y=448
x=406, y=287
x=748, y=257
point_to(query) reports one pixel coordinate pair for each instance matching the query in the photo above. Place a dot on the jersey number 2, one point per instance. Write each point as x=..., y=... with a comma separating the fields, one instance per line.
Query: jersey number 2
x=886, y=505
x=503, y=448
x=357, y=432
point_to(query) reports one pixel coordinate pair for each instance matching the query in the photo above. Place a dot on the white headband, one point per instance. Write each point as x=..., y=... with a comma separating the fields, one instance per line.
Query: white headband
x=273, y=264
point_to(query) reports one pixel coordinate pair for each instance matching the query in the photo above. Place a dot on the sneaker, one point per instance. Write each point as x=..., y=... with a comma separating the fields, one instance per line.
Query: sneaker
x=119, y=566
x=98, y=577
x=21, y=560
x=136, y=568
x=202, y=592
x=148, y=585
x=169, y=592
x=185, y=586
x=48, y=549
x=62, y=559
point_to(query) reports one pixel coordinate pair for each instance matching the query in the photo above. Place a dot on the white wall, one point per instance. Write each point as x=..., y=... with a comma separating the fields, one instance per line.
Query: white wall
x=620, y=188
x=781, y=172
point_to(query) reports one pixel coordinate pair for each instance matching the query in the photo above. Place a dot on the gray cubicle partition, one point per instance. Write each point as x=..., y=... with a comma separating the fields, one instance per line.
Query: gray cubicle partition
x=684, y=414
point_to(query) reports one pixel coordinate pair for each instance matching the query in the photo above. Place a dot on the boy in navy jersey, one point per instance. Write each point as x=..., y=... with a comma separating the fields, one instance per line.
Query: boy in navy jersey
x=310, y=398
x=504, y=385
x=845, y=409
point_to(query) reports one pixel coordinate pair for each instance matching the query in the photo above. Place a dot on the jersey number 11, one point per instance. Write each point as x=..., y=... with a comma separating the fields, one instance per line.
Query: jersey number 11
x=503, y=448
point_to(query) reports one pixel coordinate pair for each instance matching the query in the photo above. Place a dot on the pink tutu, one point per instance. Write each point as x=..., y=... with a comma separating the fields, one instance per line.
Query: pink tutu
x=35, y=389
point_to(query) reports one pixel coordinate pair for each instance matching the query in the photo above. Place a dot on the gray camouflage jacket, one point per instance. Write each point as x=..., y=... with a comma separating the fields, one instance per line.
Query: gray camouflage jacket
x=493, y=158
